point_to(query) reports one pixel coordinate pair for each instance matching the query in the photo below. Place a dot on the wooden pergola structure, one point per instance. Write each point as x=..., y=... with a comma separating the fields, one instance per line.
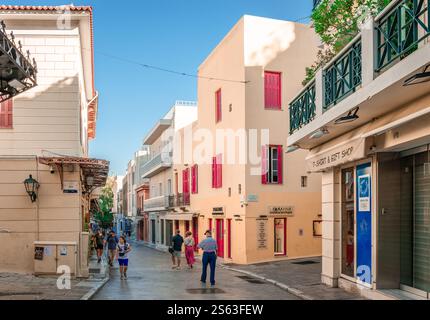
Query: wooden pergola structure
x=94, y=172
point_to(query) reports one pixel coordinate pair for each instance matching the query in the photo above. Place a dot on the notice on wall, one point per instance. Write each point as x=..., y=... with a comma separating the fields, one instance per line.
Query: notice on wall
x=71, y=187
x=48, y=251
x=262, y=235
x=63, y=251
x=364, y=193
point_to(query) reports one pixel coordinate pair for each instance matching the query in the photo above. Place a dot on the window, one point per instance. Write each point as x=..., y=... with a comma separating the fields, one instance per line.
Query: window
x=304, y=182
x=272, y=90
x=217, y=172
x=195, y=179
x=272, y=165
x=218, y=106
x=160, y=189
x=6, y=115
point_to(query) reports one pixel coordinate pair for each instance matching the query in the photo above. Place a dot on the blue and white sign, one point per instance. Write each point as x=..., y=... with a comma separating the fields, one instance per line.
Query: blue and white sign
x=364, y=224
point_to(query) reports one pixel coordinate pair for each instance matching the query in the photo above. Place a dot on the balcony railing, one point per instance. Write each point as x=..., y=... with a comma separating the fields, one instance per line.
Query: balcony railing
x=316, y=4
x=180, y=200
x=162, y=202
x=163, y=160
x=303, y=109
x=343, y=76
x=400, y=30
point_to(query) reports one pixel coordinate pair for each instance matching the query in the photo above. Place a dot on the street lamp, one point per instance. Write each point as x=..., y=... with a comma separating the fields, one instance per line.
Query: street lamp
x=31, y=186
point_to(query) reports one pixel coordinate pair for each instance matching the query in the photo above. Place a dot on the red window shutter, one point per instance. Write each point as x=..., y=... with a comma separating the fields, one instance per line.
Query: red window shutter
x=214, y=175
x=280, y=165
x=219, y=171
x=218, y=106
x=6, y=114
x=185, y=181
x=194, y=179
x=272, y=90
x=264, y=167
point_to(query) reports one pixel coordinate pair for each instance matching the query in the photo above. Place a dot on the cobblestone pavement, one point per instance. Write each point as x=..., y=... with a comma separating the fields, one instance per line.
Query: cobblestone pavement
x=151, y=278
x=303, y=276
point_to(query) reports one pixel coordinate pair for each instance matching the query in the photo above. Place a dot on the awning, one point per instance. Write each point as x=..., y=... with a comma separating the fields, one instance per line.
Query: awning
x=322, y=158
x=17, y=73
x=94, y=172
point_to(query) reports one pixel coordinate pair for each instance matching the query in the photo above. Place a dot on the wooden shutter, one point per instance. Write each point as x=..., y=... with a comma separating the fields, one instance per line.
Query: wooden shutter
x=280, y=165
x=214, y=175
x=218, y=106
x=264, y=167
x=194, y=179
x=6, y=114
x=219, y=171
x=272, y=90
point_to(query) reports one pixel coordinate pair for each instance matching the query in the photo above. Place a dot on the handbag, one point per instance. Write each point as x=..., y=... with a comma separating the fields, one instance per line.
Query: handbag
x=171, y=251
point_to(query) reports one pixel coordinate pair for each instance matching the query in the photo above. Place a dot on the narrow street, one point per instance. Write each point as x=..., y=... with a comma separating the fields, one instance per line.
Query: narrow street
x=150, y=277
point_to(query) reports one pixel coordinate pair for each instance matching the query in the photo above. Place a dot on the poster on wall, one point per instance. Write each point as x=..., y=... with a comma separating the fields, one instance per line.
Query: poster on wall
x=364, y=193
x=364, y=224
x=38, y=253
x=262, y=233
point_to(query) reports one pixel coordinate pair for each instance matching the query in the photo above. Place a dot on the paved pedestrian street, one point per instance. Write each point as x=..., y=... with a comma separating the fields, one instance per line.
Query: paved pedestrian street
x=150, y=277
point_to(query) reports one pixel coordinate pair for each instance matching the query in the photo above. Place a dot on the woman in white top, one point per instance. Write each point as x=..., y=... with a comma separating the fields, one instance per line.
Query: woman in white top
x=189, y=249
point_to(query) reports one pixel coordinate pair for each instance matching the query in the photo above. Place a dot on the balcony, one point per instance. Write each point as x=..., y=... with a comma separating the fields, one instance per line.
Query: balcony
x=157, y=204
x=369, y=74
x=180, y=200
x=156, y=165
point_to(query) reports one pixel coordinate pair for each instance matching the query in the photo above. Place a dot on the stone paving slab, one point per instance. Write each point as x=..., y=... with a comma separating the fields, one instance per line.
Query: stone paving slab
x=29, y=287
x=304, y=280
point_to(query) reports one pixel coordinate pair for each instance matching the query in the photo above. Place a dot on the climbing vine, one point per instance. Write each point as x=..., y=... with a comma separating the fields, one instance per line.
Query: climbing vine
x=337, y=22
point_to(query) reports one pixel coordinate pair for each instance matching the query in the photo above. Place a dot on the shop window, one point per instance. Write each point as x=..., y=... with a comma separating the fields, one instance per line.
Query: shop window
x=272, y=165
x=348, y=223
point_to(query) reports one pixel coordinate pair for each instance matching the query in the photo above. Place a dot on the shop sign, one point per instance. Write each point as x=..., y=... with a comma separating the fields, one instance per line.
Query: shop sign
x=262, y=235
x=252, y=198
x=219, y=211
x=71, y=187
x=282, y=210
x=347, y=152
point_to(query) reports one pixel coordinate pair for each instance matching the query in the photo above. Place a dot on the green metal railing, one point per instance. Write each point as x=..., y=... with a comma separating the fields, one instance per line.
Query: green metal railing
x=343, y=76
x=303, y=108
x=399, y=31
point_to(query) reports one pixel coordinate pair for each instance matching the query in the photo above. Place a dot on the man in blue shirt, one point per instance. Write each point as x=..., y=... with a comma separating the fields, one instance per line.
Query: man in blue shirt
x=112, y=242
x=209, y=247
x=177, y=242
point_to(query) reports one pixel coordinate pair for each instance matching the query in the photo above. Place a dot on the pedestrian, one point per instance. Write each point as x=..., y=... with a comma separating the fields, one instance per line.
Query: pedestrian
x=189, y=249
x=98, y=242
x=177, y=242
x=209, y=247
x=112, y=243
x=123, y=248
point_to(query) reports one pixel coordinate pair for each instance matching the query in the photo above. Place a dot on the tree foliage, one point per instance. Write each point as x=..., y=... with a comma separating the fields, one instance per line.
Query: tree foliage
x=104, y=215
x=337, y=22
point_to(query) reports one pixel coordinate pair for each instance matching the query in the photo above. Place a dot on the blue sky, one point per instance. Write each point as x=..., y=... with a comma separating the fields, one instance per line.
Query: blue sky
x=174, y=34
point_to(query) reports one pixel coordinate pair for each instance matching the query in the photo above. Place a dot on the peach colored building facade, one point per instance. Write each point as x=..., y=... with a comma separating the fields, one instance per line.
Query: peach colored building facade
x=55, y=118
x=251, y=220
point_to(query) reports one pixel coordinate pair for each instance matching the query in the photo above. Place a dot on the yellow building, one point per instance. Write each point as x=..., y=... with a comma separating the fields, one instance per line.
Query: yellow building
x=46, y=138
x=259, y=201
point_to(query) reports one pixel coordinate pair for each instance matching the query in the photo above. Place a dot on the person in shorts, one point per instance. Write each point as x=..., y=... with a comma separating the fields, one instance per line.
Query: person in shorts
x=112, y=242
x=122, y=250
x=177, y=242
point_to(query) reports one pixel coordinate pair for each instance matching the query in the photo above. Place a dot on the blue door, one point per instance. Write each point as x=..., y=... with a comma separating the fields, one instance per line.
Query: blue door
x=364, y=223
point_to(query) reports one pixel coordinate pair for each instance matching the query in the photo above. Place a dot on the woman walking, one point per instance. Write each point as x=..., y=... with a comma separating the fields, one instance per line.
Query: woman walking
x=123, y=249
x=189, y=249
x=98, y=242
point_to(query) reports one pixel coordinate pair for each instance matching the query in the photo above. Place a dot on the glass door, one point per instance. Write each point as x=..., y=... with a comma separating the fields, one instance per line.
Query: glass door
x=280, y=237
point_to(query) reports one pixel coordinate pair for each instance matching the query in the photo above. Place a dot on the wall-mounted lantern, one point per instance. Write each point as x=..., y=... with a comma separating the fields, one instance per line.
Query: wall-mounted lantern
x=31, y=186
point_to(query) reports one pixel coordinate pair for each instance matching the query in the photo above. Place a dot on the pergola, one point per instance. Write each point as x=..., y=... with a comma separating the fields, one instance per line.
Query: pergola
x=94, y=172
x=17, y=73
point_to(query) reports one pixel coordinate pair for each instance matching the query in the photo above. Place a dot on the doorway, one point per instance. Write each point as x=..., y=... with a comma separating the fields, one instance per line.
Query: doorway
x=281, y=237
x=153, y=238
x=220, y=237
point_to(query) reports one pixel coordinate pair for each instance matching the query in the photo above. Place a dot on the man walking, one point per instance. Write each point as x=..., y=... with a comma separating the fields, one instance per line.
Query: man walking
x=177, y=242
x=112, y=242
x=209, y=247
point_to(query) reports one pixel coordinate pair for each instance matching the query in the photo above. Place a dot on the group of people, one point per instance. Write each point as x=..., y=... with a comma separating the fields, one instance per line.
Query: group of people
x=209, y=247
x=118, y=248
